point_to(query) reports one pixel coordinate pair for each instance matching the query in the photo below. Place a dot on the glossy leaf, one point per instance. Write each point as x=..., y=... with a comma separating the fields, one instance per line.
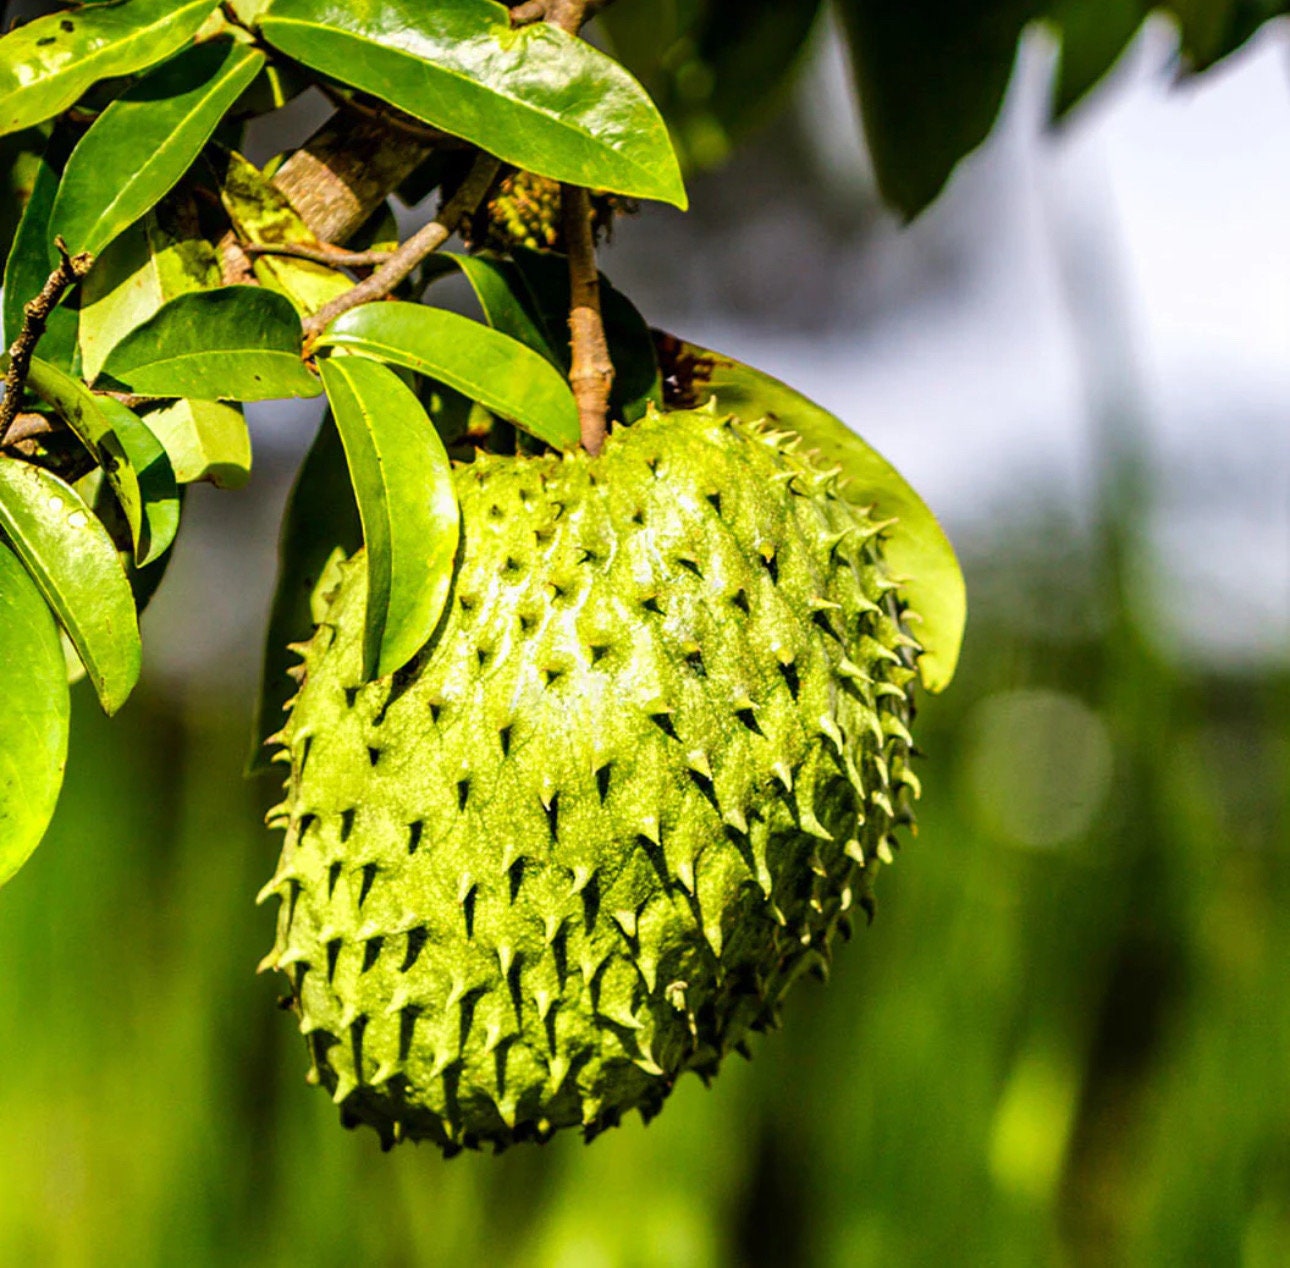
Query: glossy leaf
x=47, y=64
x=402, y=482
x=500, y=289
x=499, y=372
x=205, y=440
x=133, y=460
x=637, y=382
x=238, y=343
x=72, y=559
x=32, y=258
x=34, y=712
x=320, y=519
x=147, y=139
x=160, y=258
x=535, y=97
x=917, y=548
x=261, y=214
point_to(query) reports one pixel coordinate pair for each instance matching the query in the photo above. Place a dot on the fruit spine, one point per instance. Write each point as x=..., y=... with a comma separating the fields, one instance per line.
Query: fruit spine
x=589, y=837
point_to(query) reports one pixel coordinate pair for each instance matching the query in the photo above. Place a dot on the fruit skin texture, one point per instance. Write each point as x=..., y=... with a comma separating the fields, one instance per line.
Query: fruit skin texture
x=625, y=796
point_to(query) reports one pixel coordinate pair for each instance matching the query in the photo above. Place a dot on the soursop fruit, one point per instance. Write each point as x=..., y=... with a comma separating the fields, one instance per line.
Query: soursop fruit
x=588, y=838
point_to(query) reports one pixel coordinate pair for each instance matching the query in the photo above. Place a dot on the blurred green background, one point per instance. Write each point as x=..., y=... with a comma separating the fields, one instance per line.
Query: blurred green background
x=1064, y=1040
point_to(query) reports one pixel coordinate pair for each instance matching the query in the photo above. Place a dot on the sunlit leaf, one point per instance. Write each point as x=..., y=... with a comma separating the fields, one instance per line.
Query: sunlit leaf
x=499, y=287
x=48, y=63
x=205, y=440
x=133, y=460
x=320, y=519
x=238, y=343
x=162, y=256
x=499, y=372
x=34, y=710
x=917, y=549
x=72, y=559
x=536, y=97
x=402, y=481
x=261, y=214
x=147, y=139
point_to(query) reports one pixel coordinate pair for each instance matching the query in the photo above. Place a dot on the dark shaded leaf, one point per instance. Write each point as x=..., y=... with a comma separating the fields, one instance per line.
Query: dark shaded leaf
x=537, y=97
x=489, y=367
x=320, y=523
x=33, y=258
x=47, y=64
x=20, y=163
x=147, y=139
x=931, y=75
x=917, y=549
x=402, y=481
x=72, y=559
x=238, y=343
x=34, y=712
x=716, y=68
x=131, y=456
x=637, y=382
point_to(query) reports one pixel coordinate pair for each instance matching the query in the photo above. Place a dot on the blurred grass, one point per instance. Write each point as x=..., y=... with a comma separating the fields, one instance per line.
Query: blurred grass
x=1064, y=1039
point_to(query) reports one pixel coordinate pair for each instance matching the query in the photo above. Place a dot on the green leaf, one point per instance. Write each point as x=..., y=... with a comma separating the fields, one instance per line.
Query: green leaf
x=261, y=214
x=161, y=257
x=47, y=64
x=320, y=520
x=72, y=559
x=1093, y=34
x=238, y=343
x=147, y=139
x=156, y=479
x=20, y=164
x=134, y=461
x=698, y=61
x=500, y=289
x=535, y=97
x=205, y=440
x=916, y=548
x=33, y=258
x=402, y=481
x=499, y=372
x=637, y=382
x=931, y=75
x=34, y=712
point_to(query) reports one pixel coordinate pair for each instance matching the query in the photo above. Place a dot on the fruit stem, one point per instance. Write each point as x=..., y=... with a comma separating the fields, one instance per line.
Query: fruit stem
x=591, y=374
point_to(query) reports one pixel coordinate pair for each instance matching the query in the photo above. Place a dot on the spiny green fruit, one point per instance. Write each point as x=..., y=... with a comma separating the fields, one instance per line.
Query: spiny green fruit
x=589, y=837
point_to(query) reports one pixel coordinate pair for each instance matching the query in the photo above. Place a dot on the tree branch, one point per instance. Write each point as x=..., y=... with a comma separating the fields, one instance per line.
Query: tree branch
x=334, y=257
x=591, y=374
x=35, y=317
x=336, y=180
x=424, y=242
